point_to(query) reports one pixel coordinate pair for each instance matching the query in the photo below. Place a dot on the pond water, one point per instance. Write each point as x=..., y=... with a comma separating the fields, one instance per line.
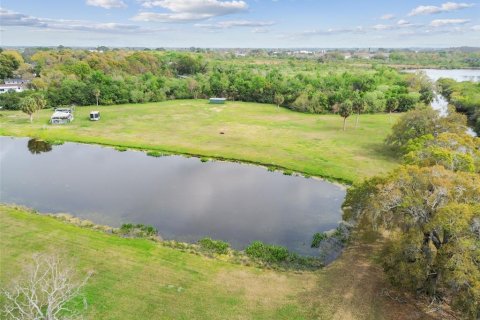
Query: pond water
x=455, y=74
x=182, y=197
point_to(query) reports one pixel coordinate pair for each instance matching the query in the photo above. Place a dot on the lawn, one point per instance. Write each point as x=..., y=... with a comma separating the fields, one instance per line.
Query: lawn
x=257, y=133
x=141, y=279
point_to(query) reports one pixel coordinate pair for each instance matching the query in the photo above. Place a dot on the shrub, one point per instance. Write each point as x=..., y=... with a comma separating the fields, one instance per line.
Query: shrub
x=155, y=154
x=216, y=246
x=268, y=253
x=137, y=230
x=317, y=239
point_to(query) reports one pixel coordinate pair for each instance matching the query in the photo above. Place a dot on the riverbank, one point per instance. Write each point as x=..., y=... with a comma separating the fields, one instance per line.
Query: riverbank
x=262, y=134
x=182, y=285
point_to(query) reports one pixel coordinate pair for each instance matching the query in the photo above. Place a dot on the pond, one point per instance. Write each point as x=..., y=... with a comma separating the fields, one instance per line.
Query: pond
x=184, y=198
x=455, y=74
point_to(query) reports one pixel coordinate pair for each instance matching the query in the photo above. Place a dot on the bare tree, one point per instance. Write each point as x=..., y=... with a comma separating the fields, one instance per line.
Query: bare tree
x=44, y=290
x=278, y=99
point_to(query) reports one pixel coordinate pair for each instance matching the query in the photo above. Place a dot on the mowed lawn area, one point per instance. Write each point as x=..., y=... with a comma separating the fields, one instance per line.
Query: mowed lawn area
x=252, y=132
x=141, y=279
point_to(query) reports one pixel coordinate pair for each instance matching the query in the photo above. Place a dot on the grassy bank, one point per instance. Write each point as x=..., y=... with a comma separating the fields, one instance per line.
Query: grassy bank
x=140, y=279
x=257, y=133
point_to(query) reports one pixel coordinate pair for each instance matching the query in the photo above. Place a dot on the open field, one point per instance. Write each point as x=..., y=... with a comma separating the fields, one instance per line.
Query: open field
x=257, y=133
x=140, y=279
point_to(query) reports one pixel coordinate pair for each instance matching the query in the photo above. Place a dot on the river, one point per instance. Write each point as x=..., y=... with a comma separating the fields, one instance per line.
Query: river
x=440, y=103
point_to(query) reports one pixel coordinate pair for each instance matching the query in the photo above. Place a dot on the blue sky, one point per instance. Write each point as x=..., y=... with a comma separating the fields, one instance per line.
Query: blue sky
x=240, y=23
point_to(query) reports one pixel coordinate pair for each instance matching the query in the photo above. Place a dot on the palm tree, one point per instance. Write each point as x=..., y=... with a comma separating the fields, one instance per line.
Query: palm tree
x=96, y=93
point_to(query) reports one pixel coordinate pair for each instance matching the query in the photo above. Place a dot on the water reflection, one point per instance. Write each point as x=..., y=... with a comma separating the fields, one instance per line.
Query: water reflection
x=36, y=146
x=183, y=198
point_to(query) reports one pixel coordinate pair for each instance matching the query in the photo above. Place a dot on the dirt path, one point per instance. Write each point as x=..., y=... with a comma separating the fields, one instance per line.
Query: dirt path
x=354, y=287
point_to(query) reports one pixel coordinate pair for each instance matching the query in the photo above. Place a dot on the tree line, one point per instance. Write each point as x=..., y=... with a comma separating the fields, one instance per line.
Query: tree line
x=80, y=77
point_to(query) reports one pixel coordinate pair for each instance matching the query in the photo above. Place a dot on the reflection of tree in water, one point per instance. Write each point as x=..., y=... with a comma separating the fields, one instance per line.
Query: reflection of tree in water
x=38, y=146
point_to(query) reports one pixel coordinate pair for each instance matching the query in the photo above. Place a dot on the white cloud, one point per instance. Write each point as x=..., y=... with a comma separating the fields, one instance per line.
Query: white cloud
x=402, y=22
x=382, y=27
x=234, y=23
x=107, y=4
x=328, y=32
x=445, y=7
x=260, y=30
x=446, y=22
x=168, y=17
x=189, y=10
x=387, y=16
x=11, y=18
x=476, y=28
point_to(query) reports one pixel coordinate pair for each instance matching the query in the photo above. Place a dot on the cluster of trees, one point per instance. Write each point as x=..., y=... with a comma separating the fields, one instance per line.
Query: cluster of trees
x=430, y=207
x=9, y=62
x=465, y=96
x=81, y=77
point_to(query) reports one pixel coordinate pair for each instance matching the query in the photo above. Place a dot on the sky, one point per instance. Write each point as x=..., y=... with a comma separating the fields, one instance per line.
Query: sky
x=240, y=23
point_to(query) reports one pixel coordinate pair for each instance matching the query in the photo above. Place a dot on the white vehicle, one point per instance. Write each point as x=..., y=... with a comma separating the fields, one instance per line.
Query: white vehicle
x=94, y=115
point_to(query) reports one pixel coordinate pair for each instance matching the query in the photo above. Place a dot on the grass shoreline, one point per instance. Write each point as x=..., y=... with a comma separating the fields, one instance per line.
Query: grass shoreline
x=288, y=171
x=182, y=285
x=258, y=134
x=296, y=262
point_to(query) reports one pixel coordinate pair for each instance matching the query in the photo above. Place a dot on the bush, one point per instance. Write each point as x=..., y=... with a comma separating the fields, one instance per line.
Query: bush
x=11, y=100
x=216, y=246
x=268, y=253
x=138, y=230
x=155, y=154
x=317, y=239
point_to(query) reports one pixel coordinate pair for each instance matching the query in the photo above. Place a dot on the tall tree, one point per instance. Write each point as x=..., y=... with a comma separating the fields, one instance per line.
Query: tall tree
x=423, y=121
x=359, y=105
x=28, y=105
x=391, y=105
x=433, y=216
x=96, y=93
x=32, y=104
x=345, y=110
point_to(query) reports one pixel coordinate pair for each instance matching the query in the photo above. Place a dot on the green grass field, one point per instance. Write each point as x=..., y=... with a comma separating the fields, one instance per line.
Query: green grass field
x=141, y=279
x=257, y=133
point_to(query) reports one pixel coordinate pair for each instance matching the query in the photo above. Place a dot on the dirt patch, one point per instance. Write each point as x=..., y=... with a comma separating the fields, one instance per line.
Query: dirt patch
x=265, y=288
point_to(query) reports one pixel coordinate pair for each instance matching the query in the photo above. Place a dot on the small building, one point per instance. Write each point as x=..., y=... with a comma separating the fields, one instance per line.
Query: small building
x=217, y=100
x=61, y=116
x=14, y=85
x=11, y=88
x=94, y=115
x=16, y=81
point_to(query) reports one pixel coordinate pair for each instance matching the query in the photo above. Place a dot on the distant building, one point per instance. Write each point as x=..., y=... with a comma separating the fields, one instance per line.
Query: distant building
x=14, y=85
x=16, y=81
x=11, y=88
